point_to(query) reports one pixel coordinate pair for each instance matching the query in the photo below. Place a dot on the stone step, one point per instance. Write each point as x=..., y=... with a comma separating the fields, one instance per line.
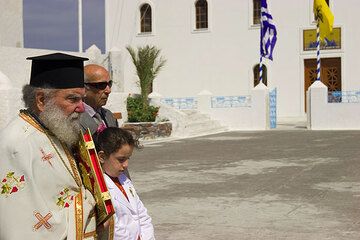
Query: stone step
x=202, y=124
x=210, y=131
x=204, y=131
x=191, y=122
x=190, y=111
x=202, y=127
x=196, y=116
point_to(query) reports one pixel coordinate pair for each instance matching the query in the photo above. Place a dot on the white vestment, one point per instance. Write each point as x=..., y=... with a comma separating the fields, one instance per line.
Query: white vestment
x=131, y=217
x=42, y=196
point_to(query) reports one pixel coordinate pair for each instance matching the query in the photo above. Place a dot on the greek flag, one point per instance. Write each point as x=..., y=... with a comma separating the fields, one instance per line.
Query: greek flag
x=268, y=32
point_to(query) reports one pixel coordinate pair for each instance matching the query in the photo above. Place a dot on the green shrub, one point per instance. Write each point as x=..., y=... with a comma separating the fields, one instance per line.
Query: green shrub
x=137, y=113
x=148, y=63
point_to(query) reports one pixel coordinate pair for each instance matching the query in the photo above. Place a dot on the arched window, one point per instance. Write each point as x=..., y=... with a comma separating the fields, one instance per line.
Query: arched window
x=256, y=11
x=256, y=74
x=201, y=7
x=145, y=18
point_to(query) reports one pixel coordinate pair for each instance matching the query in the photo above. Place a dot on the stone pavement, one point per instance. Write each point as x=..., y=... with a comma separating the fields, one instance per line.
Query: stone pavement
x=252, y=185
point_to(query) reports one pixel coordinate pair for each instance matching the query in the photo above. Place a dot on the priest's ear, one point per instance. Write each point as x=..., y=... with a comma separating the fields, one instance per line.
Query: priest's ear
x=101, y=156
x=40, y=100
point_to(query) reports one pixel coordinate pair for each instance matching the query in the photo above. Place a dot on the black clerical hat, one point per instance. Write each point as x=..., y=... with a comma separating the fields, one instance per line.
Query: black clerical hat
x=57, y=70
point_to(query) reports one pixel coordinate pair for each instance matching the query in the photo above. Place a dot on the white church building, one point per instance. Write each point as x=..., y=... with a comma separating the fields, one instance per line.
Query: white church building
x=213, y=45
x=212, y=49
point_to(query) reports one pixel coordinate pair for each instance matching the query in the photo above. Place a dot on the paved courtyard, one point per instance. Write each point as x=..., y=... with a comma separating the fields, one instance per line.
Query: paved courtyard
x=253, y=185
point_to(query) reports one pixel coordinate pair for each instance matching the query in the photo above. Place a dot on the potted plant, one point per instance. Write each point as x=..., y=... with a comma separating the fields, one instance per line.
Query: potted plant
x=148, y=63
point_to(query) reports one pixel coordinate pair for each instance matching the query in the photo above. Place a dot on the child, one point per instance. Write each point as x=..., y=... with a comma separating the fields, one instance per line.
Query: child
x=114, y=147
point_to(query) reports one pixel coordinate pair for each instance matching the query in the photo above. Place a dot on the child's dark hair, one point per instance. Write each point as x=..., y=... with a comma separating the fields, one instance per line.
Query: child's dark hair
x=113, y=138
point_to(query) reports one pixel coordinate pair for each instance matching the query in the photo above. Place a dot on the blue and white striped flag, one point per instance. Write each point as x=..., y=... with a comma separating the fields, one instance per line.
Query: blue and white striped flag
x=268, y=32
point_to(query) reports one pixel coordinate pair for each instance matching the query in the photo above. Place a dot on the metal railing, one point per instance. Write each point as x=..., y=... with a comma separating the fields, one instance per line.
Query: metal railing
x=230, y=101
x=344, y=97
x=181, y=103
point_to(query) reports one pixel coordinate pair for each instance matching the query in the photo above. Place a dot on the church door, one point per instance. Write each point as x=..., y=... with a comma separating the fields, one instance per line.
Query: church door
x=330, y=74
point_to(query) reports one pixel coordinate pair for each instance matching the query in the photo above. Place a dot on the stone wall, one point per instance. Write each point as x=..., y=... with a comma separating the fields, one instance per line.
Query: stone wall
x=149, y=130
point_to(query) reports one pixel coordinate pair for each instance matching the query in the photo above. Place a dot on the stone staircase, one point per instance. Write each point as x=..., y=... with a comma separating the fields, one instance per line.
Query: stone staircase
x=197, y=124
x=292, y=123
x=189, y=123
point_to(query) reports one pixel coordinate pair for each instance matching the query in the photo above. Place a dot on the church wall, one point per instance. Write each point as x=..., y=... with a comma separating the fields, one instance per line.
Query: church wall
x=11, y=23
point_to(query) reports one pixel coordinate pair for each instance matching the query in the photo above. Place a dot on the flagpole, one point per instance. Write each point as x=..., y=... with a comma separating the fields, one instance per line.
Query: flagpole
x=80, y=29
x=318, y=66
x=261, y=38
x=261, y=56
x=260, y=69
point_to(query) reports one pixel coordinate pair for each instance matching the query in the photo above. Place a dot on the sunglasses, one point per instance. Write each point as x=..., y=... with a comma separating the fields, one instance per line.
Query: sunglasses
x=100, y=85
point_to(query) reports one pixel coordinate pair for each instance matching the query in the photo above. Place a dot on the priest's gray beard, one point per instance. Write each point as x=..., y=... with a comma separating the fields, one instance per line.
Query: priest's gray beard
x=65, y=128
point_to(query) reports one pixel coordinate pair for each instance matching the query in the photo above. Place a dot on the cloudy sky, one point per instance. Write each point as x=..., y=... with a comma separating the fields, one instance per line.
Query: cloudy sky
x=54, y=24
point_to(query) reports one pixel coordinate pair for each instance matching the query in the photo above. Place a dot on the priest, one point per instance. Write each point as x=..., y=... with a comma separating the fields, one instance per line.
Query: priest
x=42, y=194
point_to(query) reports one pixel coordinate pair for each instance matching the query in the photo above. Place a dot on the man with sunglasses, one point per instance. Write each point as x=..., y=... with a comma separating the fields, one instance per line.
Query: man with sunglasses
x=97, y=91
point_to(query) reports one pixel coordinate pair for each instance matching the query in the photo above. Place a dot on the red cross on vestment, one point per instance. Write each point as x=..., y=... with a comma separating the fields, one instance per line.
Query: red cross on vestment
x=43, y=221
x=46, y=157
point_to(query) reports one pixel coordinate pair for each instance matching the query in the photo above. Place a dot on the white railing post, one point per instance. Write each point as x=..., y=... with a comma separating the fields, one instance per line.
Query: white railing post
x=260, y=107
x=155, y=99
x=115, y=68
x=317, y=101
x=204, y=101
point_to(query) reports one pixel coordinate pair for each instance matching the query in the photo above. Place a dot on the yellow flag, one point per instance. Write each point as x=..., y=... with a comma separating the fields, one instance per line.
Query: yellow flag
x=324, y=17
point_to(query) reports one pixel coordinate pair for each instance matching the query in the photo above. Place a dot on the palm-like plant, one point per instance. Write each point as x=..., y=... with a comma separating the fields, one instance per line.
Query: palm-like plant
x=148, y=63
